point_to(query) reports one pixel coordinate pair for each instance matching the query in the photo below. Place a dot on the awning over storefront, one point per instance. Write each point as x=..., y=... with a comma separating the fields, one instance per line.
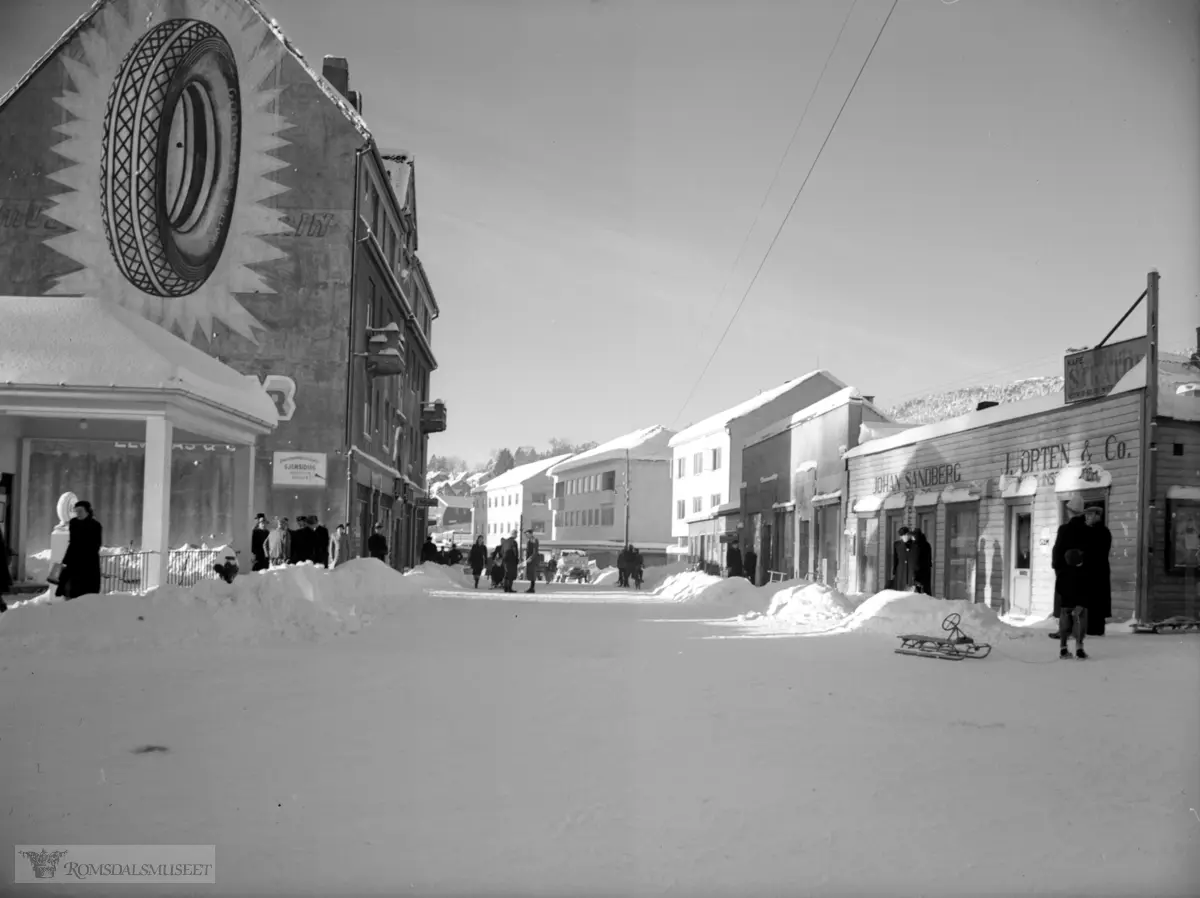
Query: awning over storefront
x=868, y=504
x=1074, y=478
x=1017, y=487
x=827, y=498
x=895, y=500
x=969, y=494
x=926, y=499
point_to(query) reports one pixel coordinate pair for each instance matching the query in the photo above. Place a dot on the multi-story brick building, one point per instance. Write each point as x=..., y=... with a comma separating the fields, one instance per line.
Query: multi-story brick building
x=184, y=160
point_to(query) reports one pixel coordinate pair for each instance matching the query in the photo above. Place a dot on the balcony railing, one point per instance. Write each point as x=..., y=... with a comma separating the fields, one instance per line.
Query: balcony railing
x=433, y=417
x=128, y=571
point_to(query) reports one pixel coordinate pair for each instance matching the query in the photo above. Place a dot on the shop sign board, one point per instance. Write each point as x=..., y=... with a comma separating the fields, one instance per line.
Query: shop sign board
x=1094, y=372
x=298, y=469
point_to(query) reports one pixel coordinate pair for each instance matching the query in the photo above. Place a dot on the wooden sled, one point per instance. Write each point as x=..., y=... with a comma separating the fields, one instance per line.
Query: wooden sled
x=954, y=647
x=1175, y=624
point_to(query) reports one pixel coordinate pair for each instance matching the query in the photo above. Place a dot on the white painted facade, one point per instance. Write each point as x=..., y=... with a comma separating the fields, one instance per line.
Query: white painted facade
x=706, y=465
x=516, y=500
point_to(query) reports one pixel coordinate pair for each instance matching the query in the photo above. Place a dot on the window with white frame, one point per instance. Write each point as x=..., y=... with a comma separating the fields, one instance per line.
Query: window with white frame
x=715, y=459
x=538, y=526
x=714, y=500
x=698, y=463
x=681, y=468
x=537, y=499
x=697, y=504
x=609, y=480
x=606, y=516
x=681, y=509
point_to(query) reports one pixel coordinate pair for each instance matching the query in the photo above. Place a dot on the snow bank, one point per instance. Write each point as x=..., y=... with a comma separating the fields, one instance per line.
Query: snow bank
x=300, y=603
x=809, y=605
x=717, y=596
x=607, y=576
x=893, y=613
x=654, y=577
x=431, y=575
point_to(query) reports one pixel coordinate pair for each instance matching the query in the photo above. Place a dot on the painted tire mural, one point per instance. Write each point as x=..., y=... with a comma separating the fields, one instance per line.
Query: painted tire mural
x=169, y=166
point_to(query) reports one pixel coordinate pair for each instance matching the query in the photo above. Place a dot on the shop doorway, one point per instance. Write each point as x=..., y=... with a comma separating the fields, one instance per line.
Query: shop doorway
x=766, y=554
x=827, y=543
x=927, y=524
x=802, y=550
x=1020, y=558
x=785, y=529
x=962, y=533
x=868, y=578
x=892, y=522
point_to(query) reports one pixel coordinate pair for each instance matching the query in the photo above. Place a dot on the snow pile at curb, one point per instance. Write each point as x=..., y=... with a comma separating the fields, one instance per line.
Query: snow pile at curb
x=654, y=577
x=713, y=595
x=605, y=577
x=431, y=575
x=302, y=603
x=809, y=605
x=892, y=613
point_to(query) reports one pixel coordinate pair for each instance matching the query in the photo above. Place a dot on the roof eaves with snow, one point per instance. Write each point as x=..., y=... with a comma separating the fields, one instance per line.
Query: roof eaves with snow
x=808, y=413
x=642, y=445
x=722, y=419
x=324, y=86
x=455, y=501
x=518, y=475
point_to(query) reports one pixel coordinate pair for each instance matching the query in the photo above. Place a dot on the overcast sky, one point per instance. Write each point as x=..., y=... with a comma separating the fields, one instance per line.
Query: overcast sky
x=1003, y=178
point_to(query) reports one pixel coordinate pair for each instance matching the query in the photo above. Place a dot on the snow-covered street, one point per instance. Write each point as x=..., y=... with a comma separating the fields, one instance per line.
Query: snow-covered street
x=587, y=743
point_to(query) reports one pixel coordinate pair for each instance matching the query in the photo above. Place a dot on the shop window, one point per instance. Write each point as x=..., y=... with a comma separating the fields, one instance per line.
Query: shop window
x=962, y=534
x=1183, y=537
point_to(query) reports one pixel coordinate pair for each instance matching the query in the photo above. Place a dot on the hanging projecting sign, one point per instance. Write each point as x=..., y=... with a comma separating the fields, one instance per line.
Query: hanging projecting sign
x=1094, y=372
x=298, y=469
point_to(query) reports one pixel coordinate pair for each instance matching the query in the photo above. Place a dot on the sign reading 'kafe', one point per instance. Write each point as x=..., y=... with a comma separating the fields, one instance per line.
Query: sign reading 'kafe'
x=298, y=469
x=1094, y=372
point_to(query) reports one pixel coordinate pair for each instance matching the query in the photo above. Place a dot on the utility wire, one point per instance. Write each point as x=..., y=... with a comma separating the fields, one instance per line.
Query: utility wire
x=787, y=216
x=787, y=151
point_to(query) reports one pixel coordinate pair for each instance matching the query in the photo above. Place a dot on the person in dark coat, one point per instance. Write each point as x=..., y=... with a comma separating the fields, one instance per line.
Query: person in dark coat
x=429, y=552
x=454, y=556
x=477, y=558
x=637, y=566
x=377, y=546
x=298, y=543
x=533, y=558
x=6, y=580
x=733, y=561
x=923, y=573
x=624, y=565
x=1097, y=570
x=258, y=543
x=339, y=546
x=1068, y=558
x=512, y=560
x=904, y=561
x=81, y=561
x=750, y=565
x=320, y=541
x=496, y=571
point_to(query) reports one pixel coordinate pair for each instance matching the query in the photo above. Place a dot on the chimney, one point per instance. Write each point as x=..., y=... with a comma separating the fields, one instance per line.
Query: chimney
x=336, y=71
x=987, y=403
x=356, y=101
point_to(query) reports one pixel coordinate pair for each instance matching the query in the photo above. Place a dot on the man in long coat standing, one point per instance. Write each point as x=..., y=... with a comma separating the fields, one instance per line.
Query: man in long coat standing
x=1097, y=570
x=533, y=558
x=1071, y=593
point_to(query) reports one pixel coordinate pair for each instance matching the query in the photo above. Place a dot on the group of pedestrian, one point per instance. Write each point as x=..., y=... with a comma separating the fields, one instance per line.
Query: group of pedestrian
x=630, y=566
x=739, y=565
x=431, y=553
x=504, y=562
x=912, y=562
x=277, y=543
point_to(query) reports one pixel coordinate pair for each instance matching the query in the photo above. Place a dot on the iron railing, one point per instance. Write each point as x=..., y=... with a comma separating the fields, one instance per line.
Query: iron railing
x=128, y=571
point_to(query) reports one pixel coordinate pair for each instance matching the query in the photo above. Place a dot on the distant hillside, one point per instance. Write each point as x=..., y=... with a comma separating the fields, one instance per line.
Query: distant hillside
x=951, y=404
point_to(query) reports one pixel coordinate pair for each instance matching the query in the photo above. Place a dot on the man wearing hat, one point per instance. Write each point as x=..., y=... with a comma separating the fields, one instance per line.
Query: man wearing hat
x=1097, y=573
x=1070, y=559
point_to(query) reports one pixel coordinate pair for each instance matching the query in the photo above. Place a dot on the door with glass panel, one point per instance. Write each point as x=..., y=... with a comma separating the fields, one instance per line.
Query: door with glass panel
x=1020, y=558
x=962, y=533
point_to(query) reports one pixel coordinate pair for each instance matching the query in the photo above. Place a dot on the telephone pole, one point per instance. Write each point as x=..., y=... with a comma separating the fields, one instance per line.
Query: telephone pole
x=626, y=497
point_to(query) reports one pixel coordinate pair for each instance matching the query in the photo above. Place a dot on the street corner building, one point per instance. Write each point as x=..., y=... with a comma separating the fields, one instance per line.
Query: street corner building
x=706, y=466
x=615, y=494
x=181, y=161
x=990, y=489
x=793, y=481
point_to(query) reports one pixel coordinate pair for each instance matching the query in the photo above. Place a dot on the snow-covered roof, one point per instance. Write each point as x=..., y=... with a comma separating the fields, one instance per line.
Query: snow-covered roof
x=324, y=86
x=716, y=422
x=456, y=501
x=818, y=408
x=75, y=341
x=520, y=474
x=1173, y=371
x=647, y=444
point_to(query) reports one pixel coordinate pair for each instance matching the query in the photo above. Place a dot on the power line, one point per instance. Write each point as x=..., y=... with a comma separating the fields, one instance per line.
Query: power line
x=787, y=216
x=778, y=169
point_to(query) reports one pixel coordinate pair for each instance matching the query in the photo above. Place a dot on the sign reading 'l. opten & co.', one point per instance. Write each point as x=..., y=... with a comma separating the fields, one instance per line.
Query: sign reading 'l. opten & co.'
x=298, y=469
x=1094, y=372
